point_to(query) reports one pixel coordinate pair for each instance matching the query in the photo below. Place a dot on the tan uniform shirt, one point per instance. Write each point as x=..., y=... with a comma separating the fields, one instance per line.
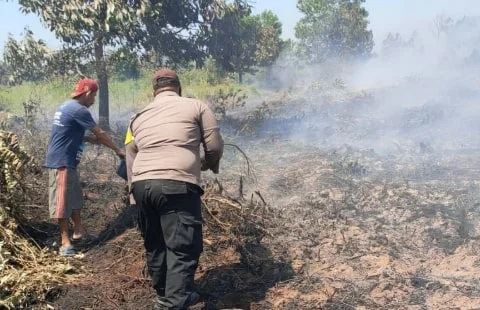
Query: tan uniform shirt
x=165, y=140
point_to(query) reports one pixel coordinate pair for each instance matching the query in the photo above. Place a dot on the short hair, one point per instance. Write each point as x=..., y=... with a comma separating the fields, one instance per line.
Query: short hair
x=163, y=82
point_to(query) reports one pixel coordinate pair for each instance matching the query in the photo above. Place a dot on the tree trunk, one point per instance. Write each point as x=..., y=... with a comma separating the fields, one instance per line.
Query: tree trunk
x=101, y=68
x=240, y=77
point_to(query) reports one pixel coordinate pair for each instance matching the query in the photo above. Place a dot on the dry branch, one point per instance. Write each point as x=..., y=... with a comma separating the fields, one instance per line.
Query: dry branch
x=27, y=270
x=250, y=167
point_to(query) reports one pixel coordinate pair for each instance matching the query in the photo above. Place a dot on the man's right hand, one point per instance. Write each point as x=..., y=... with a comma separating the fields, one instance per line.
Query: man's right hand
x=215, y=169
x=103, y=138
x=204, y=166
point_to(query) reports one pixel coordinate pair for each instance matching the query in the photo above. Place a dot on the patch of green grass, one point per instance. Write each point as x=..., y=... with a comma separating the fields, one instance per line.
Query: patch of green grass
x=124, y=95
x=49, y=94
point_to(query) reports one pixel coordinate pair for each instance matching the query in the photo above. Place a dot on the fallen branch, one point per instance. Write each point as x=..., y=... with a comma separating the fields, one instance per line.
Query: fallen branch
x=222, y=224
x=250, y=168
x=223, y=201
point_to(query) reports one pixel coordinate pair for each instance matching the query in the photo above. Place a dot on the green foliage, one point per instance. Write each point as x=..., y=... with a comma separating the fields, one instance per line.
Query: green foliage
x=202, y=83
x=269, y=43
x=268, y=19
x=333, y=28
x=66, y=62
x=124, y=64
x=210, y=74
x=30, y=60
x=93, y=25
x=175, y=36
x=3, y=74
x=25, y=60
x=80, y=22
x=215, y=74
x=52, y=92
x=240, y=41
x=157, y=26
x=171, y=37
x=231, y=38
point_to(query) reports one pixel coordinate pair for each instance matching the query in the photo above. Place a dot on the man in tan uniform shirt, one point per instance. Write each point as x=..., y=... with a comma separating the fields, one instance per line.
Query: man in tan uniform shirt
x=163, y=168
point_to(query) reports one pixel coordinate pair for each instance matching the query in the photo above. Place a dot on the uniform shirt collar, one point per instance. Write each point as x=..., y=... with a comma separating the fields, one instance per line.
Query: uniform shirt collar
x=166, y=93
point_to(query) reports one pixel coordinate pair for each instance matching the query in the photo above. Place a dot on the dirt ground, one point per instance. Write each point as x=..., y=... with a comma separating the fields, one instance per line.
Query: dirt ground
x=236, y=269
x=334, y=226
x=340, y=236
x=364, y=237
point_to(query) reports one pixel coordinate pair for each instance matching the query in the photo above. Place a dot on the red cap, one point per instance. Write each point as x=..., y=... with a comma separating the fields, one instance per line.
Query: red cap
x=164, y=73
x=85, y=86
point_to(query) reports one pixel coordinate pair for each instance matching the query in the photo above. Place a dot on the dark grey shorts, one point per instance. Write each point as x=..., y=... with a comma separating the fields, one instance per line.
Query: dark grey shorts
x=64, y=192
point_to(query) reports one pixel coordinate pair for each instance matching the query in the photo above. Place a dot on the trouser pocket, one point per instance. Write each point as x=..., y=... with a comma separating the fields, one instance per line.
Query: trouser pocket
x=188, y=237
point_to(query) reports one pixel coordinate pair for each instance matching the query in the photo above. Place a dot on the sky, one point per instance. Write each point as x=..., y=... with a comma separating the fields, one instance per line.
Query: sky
x=402, y=16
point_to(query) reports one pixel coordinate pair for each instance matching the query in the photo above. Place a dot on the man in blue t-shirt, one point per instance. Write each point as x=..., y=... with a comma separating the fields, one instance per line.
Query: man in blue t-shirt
x=64, y=152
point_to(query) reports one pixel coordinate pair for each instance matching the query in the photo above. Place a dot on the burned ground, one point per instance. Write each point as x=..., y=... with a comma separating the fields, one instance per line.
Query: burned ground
x=322, y=221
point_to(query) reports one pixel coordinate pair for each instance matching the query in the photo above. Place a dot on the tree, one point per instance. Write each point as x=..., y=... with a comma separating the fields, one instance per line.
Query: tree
x=231, y=38
x=25, y=60
x=181, y=41
x=151, y=24
x=3, y=76
x=269, y=43
x=333, y=28
x=94, y=24
x=239, y=41
x=32, y=60
x=67, y=61
x=124, y=64
x=83, y=22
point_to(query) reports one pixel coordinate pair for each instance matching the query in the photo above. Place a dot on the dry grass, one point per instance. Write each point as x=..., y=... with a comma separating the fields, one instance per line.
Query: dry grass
x=27, y=270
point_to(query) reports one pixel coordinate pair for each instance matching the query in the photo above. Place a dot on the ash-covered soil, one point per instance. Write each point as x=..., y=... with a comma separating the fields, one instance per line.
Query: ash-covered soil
x=376, y=213
x=344, y=208
x=366, y=232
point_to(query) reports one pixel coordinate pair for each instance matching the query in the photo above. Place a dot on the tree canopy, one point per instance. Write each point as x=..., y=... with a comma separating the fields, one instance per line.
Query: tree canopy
x=93, y=24
x=175, y=33
x=269, y=43
x=240, y=41
x=150, y=24
x=25, y=60
x=333, y=28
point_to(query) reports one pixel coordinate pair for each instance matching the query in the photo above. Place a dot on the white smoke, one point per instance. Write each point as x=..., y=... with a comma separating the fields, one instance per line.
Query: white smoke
x=422, y=93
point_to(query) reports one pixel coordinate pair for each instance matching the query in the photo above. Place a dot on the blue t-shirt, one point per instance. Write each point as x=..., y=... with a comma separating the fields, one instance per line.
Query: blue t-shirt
x=66, y=141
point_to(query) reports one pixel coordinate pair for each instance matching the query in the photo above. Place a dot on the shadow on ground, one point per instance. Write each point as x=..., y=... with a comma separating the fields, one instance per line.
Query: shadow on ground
x=243, y=284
